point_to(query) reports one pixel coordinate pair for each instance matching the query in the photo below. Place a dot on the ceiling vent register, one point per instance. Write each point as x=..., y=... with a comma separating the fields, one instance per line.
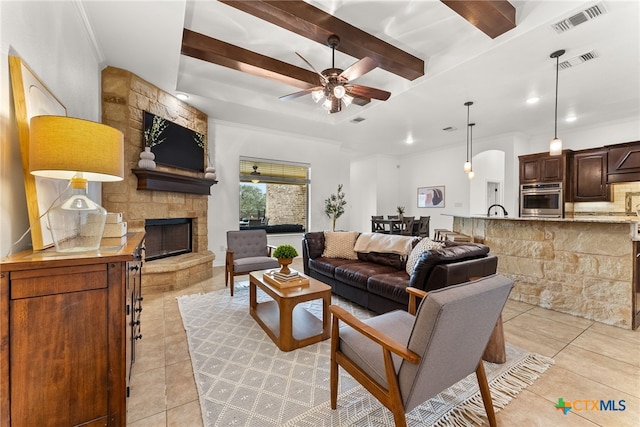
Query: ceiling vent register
x=580, y=18
x=577, y=60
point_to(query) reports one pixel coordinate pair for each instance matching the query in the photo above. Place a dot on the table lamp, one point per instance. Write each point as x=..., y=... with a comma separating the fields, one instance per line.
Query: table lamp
x=79, y=150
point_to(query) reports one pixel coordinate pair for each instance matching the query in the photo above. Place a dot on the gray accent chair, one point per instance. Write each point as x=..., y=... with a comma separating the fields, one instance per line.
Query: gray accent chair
x=404, y=360
x=247, y=251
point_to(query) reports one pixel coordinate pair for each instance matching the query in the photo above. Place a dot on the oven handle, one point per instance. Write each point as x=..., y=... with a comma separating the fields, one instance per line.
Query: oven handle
x=555, y=191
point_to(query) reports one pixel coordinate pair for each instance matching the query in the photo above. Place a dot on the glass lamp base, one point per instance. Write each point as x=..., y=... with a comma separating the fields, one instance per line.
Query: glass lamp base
x=77, y=224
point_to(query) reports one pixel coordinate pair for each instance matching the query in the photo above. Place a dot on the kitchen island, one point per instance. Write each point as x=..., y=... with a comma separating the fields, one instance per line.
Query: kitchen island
x=582, y=266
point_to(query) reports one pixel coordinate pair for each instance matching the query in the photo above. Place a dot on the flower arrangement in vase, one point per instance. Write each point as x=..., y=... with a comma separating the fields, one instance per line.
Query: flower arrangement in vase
x=152, y=138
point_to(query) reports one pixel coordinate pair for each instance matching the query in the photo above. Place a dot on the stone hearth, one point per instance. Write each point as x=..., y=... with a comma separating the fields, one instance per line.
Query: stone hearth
x=124, y=99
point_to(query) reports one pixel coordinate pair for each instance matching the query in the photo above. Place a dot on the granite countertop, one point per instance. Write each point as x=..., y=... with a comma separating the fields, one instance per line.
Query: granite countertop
x=601, y=219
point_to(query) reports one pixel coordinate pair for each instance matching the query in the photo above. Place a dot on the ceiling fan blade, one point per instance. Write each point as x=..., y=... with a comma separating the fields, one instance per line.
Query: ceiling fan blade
x=323, y=78
x=359, y=68
x=299, y=93
x=357, y=100
x=360, y=91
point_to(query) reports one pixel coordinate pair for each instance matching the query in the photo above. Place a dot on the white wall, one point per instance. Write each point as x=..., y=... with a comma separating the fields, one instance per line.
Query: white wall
x=52, y=39
x=329, y=167
x=579, y=136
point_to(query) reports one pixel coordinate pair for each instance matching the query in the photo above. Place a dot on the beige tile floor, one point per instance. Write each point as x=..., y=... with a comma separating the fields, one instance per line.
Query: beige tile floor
x=592, y=362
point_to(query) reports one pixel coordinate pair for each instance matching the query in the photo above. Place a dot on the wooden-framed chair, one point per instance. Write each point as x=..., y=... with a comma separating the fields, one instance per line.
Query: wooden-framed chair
x=377, y=227
x=406, y=227
x=247, y=251
x=423, y=226
x=404, y=359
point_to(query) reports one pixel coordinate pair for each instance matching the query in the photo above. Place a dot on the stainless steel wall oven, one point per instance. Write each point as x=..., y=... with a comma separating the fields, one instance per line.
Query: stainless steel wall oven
x=542, y=200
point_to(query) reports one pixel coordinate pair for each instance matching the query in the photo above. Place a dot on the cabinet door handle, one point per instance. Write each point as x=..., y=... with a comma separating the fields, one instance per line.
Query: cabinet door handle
x=140, y=298
x=134, y=268
x=136, y=323
x=139, y=309
x=138, y=337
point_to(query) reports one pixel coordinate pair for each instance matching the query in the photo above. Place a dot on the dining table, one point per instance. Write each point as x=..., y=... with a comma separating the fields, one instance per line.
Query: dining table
x=390, y=226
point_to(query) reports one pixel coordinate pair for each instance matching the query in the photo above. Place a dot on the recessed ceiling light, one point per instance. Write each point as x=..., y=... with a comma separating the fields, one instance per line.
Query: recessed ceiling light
x=571, y=118
x=409, y=139
x=533, y=100
x=182, y=96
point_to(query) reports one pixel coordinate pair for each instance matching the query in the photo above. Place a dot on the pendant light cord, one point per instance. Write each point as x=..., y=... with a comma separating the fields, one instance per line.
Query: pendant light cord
x=555, y=133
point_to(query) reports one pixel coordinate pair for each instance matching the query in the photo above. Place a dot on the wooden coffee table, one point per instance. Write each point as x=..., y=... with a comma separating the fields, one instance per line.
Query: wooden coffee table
x=289, y=326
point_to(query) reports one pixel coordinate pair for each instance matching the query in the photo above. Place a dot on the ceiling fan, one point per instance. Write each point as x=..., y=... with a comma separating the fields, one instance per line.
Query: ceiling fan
x=334, y=86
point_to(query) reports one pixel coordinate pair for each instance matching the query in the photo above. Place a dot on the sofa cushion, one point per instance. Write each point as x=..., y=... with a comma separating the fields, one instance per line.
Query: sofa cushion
x=423, y=245
x=357, y=274
x=391, y=286
x=340, y=244
x=449, y=254
x=315, y=243
x=392, y=260
x=327, y=266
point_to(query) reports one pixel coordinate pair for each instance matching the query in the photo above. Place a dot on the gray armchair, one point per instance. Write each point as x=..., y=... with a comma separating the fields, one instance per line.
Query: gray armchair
x=405, y=359
x=247, y=251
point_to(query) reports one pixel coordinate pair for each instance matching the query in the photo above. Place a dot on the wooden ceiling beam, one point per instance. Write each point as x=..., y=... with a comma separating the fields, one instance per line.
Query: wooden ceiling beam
x=492, y=17
x=310, y=22
x=218, y=52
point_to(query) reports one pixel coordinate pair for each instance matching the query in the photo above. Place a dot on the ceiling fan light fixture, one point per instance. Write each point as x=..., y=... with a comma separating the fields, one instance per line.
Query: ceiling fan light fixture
x=347, y=99
x=327, y=104
x=339, y=91
x=317, y=95
x=256, y=175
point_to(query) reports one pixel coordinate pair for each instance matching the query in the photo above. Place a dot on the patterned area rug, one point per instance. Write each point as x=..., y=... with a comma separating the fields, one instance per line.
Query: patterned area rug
x=243, y=378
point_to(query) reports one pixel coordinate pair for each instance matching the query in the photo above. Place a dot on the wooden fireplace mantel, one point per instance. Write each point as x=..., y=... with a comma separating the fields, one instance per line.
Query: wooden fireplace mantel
x=151, y=179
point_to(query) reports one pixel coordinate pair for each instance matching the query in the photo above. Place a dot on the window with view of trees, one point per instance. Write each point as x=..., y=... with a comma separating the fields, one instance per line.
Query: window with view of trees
x=273, y=195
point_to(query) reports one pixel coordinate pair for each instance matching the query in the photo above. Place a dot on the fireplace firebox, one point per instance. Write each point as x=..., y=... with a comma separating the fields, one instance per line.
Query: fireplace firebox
x=167, y=237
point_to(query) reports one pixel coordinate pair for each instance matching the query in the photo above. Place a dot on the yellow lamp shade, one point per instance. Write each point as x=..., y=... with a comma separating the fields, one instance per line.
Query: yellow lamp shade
x=61, y=147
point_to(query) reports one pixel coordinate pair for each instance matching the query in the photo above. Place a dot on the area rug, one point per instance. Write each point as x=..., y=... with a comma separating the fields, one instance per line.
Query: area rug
x=243, y=379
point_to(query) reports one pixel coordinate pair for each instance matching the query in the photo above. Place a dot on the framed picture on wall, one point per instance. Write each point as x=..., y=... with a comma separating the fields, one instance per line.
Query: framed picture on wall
x=32, y=98
x=431, y=197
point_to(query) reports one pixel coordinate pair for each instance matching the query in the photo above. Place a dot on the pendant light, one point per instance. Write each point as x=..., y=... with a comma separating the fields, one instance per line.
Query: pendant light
x=467, y=164
x=555, y=146
x=471, y=174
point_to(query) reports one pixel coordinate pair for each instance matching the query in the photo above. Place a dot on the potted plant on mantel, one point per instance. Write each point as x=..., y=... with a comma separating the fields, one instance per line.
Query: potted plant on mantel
x=152, y=138
x=285, y=255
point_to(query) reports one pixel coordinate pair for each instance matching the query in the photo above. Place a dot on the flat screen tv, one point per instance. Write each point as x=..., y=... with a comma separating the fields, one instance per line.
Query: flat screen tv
x=173, y=145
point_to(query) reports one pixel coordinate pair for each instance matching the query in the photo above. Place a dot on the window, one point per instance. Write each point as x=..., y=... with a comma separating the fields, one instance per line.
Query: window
x=273, y=195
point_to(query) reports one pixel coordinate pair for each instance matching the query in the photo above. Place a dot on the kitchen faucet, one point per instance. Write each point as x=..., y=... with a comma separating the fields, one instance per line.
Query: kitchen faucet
x=504, y=211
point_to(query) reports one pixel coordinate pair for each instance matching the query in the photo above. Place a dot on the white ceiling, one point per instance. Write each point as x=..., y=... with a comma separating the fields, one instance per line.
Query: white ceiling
x=461, y=64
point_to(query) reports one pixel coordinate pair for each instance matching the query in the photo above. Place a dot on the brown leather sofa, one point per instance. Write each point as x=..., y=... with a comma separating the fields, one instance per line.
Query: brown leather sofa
x=378, y=281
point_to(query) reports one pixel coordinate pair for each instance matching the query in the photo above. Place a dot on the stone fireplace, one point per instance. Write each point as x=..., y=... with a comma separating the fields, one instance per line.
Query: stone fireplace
x=167, y=237
x=164, y=194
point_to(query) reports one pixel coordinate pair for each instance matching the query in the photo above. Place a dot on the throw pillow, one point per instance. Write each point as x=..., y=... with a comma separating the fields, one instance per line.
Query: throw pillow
x=423, y=245
x=339, y=244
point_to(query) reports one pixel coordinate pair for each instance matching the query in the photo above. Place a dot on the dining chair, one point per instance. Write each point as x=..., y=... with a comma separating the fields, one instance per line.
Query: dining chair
x=406, y=227
x=394, y=228
x=247, y=251
x=377, y=227
x=423, y=226
x=404, y=359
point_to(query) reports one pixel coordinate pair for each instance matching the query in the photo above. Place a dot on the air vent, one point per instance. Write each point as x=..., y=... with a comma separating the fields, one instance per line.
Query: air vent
x=449, y=129
x=577, y=60
x=579, y=18
x=357, y=120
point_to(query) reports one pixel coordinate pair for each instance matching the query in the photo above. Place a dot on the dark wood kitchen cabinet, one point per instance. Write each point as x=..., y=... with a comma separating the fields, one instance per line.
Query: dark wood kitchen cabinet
x=65, y=349
x=542, y=167
x=589, y=177
x=623, y=162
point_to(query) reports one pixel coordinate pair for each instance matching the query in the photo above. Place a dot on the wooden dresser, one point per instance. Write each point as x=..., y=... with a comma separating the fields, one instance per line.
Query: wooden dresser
x=68, y=327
